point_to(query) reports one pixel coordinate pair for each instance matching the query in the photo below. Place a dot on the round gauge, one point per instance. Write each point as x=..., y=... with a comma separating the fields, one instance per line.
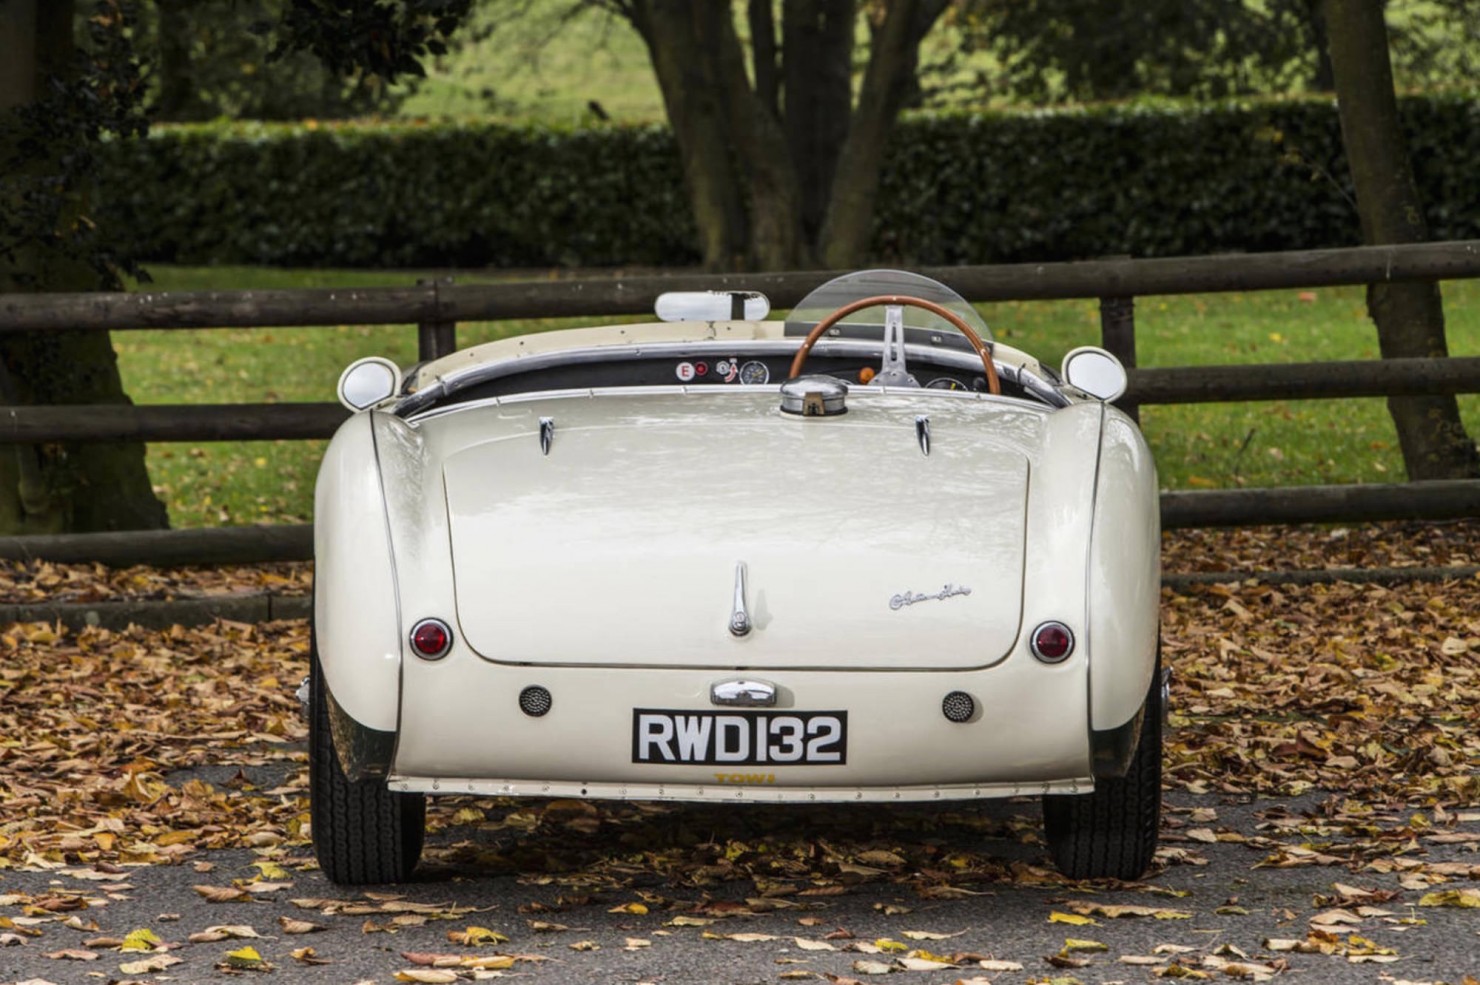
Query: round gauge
x=945, y=383
x=755, y=372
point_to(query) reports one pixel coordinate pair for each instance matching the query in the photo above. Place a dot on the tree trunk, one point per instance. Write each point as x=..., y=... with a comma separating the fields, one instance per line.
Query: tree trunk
x=731, y=145
x=772, y=193
x=777, y=241
x=172, y=66
x=817, y=73
x=1409, y=316
x=57, y=487
x=691, y=97
x=764, y=55
x=848, y=226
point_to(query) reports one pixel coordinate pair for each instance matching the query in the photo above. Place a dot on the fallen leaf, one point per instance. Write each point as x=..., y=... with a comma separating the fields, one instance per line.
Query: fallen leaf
x=148, y=966
x=291, y=926
x=222, y=894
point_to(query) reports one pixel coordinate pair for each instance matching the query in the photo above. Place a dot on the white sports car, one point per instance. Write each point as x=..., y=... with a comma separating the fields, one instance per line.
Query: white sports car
x=865, y=554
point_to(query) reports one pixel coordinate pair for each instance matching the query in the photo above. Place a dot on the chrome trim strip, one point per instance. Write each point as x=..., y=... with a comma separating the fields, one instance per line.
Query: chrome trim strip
x=723, y=790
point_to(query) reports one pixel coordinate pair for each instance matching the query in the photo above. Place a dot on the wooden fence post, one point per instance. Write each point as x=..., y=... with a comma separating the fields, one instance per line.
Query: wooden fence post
x=435, y=339
x=1118, y=334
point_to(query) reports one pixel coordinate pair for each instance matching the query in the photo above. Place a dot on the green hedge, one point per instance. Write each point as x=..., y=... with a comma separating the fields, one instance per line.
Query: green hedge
x=958, y=188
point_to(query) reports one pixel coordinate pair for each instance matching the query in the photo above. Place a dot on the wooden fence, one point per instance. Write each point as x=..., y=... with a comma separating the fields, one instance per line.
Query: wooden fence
x=436, y=307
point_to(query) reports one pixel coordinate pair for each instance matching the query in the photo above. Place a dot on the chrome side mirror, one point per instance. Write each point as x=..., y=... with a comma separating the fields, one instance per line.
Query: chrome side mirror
x=712, y=306
x=1095, y=371
x=366, y=382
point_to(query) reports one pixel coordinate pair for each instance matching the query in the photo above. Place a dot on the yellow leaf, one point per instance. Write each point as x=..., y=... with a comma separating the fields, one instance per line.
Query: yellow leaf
x=1465, y=898
x=474, y=936
x=1075, y=944
x=142, y=939
x=247, y=958
x=1071, y=918
x=271, y=870
x=891, y=947
x=634, y=908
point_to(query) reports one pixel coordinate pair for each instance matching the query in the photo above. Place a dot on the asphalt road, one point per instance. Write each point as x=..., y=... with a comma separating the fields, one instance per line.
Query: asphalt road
x=1235, y=907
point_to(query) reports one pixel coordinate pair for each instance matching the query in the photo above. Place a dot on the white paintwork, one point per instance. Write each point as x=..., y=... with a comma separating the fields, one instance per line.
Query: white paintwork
x=462, y=720
x=356, y=625
x=1124, y=575
x=605, y=571
x=619, y=547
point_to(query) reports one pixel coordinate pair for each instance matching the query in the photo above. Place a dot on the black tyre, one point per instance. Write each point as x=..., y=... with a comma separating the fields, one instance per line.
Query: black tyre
x=363, y=833
x=1112, y=832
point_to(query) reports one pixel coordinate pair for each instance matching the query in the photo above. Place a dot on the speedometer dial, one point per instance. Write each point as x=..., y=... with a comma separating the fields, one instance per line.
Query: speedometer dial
x=755, y=372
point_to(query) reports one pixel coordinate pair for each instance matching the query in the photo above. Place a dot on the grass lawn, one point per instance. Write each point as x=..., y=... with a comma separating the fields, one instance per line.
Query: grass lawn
x=1197, y=446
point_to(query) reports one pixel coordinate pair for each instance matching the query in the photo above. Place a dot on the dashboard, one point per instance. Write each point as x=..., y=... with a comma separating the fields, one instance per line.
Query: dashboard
x=719, y=370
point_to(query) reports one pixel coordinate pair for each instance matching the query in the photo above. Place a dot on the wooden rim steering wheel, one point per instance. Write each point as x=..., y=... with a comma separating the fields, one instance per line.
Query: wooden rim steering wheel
x=994, y=385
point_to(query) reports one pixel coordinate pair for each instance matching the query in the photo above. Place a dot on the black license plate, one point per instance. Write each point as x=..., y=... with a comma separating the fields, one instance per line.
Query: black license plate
x=739, y=738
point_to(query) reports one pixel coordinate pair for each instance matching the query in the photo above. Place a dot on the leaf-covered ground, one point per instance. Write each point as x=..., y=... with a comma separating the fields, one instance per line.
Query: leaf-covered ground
x=1346, y=715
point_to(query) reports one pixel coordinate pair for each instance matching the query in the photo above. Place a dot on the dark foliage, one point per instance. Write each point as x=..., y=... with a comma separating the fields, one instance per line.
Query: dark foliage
x=956, y=188
x=211, y=59
x=48, y=151
x=1084, y=50
x=384, y=39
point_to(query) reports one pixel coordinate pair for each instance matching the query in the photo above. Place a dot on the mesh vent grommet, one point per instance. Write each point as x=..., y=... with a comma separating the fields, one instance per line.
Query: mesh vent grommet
x=958, y=706
x=535, y=701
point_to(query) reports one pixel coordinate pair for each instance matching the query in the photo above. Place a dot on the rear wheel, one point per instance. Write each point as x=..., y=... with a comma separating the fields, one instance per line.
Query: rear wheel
x=1111, y=833
x=363, y=832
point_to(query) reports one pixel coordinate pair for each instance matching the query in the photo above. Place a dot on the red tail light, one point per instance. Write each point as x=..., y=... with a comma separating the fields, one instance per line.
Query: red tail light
x=1052, y=642
x=431, y=638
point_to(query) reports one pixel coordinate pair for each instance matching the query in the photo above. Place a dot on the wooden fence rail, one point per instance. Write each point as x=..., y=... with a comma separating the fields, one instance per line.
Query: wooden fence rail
x=437, y=303
x=435, y=307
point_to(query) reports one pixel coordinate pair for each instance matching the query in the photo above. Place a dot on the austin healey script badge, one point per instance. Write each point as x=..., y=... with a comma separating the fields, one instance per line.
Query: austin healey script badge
x=910, y=598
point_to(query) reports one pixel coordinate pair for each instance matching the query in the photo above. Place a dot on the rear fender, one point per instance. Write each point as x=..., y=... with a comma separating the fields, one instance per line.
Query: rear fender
x=1124, y=579
x=357, y=624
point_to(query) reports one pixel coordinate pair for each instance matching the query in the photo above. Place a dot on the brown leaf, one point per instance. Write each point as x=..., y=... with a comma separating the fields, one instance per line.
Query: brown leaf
x=291, y=926
x=222, y=894
x=146, y=966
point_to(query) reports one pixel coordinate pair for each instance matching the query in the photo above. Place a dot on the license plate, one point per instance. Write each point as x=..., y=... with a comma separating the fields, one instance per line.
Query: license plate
x=739, y=738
